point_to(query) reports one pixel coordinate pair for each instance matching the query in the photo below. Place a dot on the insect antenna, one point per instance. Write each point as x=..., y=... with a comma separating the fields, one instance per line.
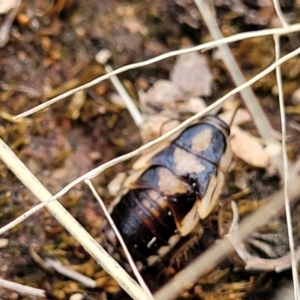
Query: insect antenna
x=234, y=114
x=167, y=126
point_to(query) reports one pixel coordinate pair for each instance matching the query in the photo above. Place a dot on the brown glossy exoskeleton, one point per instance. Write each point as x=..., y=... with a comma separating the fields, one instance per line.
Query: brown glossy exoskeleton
x=170, y=189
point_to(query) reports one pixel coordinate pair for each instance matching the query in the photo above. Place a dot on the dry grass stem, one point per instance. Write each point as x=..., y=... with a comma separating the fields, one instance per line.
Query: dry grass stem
x=253, y=262
x=7, y=23
x=209, y=45
x=131, y=107
x=247, y=94
x=95, y=172
x=22, y=289
x=214, y=255
x=280, y=14
x=293, y=257
x=61, y=269
x=116, y=231
x=24, y=216
x=70, y=224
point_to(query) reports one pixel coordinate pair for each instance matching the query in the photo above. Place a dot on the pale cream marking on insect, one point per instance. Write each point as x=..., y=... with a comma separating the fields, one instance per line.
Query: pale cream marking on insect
x=152, y=259
x=110, y=235
x=189, y=222
x=153, y=240
x=212, y=194
x=162, y=251
x=169, y=184
x=145, y=160
x=146, y=203
x=153, y=210
x=202, y=140
x=174, y=239
x=204, y=205
x=130, y=181
x=139, y=265
x=158, y=199
x=116, y=201
x=155, y=213
x=217, y=125
x=186, y=162
x=226, y=157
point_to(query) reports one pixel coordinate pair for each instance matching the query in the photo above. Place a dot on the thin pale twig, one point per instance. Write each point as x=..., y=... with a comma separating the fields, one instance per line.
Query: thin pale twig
x=131, y=107
x=209, y=45
x=61, y=269
x=7, y=23
x=247, y=94
x=280, y=14
x=286, y=172
x=95, y=172
x=22, y=289
x=66, y=220
x=24, y=216
x=21, y=88
x=119, y=236
x=214, y=255
x=252, y=262
x=235, y=218
x=38, y=259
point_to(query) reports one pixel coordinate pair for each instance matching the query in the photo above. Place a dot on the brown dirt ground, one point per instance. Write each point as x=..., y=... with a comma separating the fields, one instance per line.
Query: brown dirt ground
x=51, y=49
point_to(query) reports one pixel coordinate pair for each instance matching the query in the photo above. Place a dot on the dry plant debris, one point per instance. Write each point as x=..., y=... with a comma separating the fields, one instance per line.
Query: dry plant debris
x=51, y=48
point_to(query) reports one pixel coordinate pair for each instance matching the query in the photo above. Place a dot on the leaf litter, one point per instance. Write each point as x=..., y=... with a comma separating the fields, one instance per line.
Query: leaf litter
x=52, y=49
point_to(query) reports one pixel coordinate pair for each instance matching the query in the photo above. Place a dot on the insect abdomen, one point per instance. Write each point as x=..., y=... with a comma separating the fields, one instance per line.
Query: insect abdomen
x=144, y=226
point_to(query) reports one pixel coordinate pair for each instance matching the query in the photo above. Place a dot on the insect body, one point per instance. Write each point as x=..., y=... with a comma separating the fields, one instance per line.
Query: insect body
x=170, y=189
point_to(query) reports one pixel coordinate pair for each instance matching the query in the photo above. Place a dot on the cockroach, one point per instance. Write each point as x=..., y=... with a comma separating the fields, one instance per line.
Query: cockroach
x=170, y=189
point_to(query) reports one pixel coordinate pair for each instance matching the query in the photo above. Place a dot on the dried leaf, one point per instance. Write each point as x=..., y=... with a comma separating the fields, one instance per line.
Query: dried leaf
x=3, y=243
x=162, y=96
x=76, y=104
x=247, y=147
x=195, y=104
x=155, y=126
x=192, y=75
